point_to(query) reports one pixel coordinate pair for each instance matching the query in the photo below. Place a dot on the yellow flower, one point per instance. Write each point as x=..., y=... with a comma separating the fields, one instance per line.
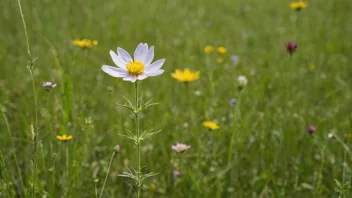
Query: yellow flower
x=221, y=50
x=211, y=125
x=85, y=43
x=185, y=76
x=298, y=5
x=64, y=137
x=220, y=60
x=152, y=186
x=208, y=49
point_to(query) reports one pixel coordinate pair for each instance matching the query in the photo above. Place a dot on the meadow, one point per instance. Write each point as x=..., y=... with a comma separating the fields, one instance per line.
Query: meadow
x=274, y=82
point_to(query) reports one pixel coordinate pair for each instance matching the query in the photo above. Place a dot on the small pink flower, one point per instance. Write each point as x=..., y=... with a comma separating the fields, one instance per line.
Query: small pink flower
x=311, y=129
x=179, y=147
x=48, y=85
x=291, y=47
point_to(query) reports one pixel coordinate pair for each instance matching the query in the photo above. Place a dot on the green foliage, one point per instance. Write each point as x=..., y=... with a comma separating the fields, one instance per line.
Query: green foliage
x=261, y=149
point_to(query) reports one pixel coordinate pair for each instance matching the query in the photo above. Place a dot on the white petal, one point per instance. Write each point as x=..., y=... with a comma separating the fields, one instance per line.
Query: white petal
x=140, y=52
x=141, y=77
x=130, y=78
x=156, y=65
x=149, y=57
x=117, y=60
x=124, y=55
x=114, y=71
x=154, y=73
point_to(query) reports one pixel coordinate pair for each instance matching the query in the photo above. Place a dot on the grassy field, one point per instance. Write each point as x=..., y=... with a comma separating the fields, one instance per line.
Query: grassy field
x=262, y=147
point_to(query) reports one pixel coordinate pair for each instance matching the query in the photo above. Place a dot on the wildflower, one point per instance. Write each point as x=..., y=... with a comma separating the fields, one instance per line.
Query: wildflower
x=179, y=147
x=232, y=102
x=331, y=135
x=208, y=49
x=211, y=125
x=221, y=50
x=48, y=85
x=176, y=174
x=297, y=6
x=64, y=138
x=242, y=82
x=152, y=186
x=291, y=47
x=137, y=69
x=186, y=75
x=85, y=43
x=311, y=129
x=220, y=60
x=234, y=59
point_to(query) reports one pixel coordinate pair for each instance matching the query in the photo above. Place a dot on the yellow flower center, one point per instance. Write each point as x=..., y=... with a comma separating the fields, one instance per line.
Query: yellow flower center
x=135, y=67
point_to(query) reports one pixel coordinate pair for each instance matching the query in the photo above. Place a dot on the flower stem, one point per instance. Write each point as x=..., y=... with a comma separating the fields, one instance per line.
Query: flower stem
x=66, y=169
x=107, y=174
x=138, y=141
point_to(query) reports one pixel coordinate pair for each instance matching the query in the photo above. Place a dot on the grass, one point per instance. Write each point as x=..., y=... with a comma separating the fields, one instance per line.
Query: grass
x=271, y=155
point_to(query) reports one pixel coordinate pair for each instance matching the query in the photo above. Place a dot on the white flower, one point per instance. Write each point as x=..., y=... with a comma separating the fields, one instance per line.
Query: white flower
x=48, y=85
x=135, y=69
x=180, y=147
x=242, y=80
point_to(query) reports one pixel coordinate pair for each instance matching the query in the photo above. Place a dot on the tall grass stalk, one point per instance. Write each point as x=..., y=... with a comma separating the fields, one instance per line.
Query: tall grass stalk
x=30, y=68
x=13, y=146
x=107, y=174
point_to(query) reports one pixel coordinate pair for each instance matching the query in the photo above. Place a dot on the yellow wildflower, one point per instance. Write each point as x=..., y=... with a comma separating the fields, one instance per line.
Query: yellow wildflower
x=208, y=49
x=152, y=186
x=85, y=43
x=221, y=50
x=211, y=125
x=64, y=137
x=185, y=76
x=220, y=60
x=298, y=5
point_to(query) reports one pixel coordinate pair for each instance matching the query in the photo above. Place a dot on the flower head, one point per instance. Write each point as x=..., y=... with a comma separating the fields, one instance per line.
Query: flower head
x=232, y=102
x=297, y=6
x=291, y=47
x=85, y=43
x=179, y=147
x=176, y=174
x=139, y=68
x=311, y=129
x=242, y=82
x=221, y=50
x=220, y=60
x=210, y=125
x=186, y=75
x=234, y=59
x=48, y=85
x=64, y=138
x=208, y=49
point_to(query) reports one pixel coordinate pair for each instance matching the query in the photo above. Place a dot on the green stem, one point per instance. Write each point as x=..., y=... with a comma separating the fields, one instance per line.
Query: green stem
x=107, y=174
x=138, y=141
x=66, y=169
x=13, y=146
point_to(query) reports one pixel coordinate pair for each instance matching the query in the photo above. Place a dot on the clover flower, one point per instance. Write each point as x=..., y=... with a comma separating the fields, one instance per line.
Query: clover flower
x=85, y=43
x=232, y=102
x=179, y=147
x=242, y=82
x=186, y=75
x=210, y=125
x=64, y=138
x=311, y=129
x=291, y=47
x=49, y=85
x=139, y=68
x=297, y=6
